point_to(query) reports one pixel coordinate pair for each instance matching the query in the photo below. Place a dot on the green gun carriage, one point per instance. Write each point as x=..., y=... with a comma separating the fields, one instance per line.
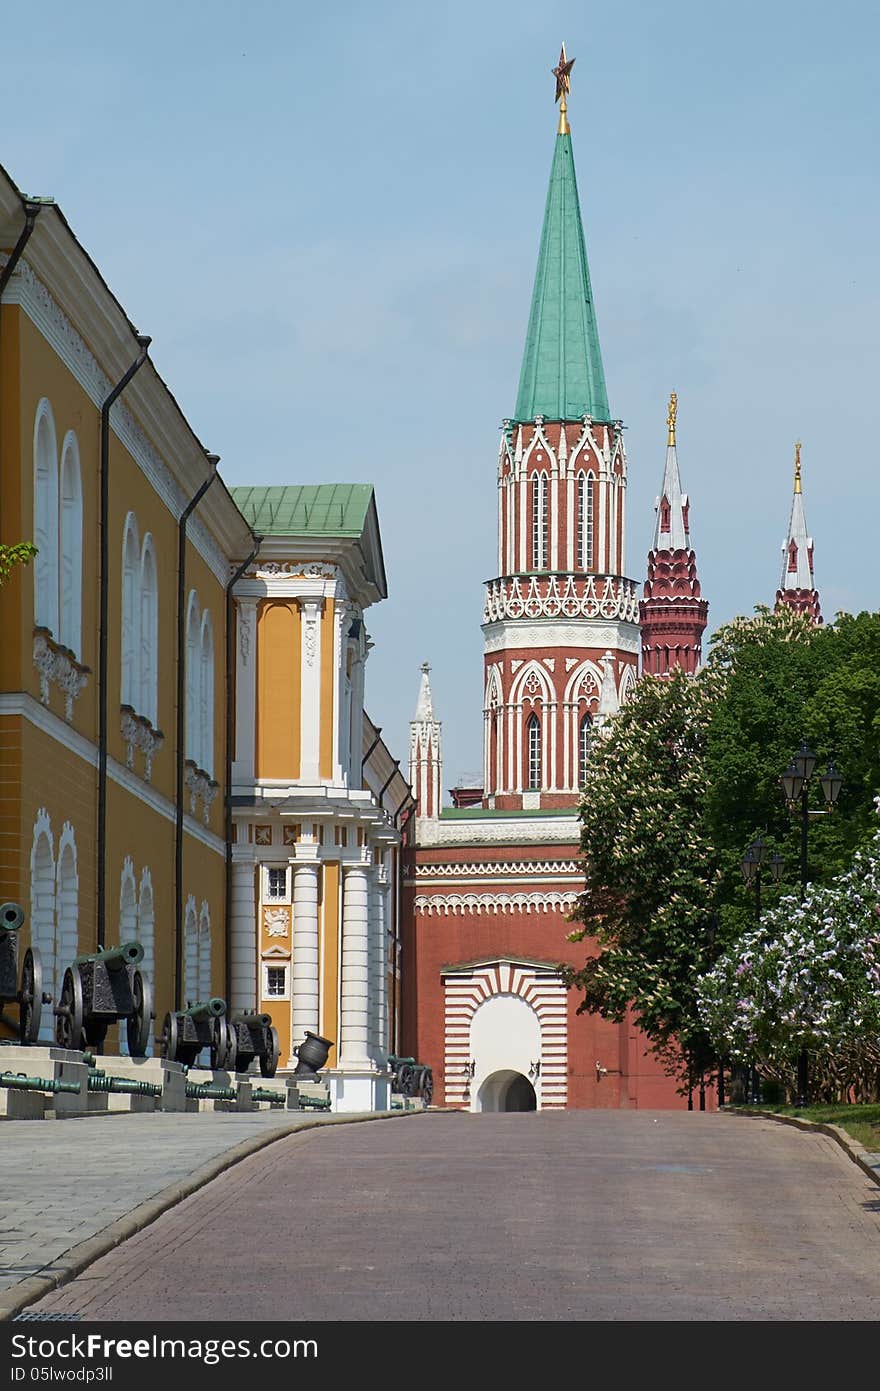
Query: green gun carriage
x=187, y=1031
x=28, y=994
x=103, y=989
x=251, y=1036
x=409, y=1078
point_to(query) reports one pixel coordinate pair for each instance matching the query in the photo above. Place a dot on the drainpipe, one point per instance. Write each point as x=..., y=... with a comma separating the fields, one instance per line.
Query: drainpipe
x=143, y=343
x=230, y=740
x=180, y=750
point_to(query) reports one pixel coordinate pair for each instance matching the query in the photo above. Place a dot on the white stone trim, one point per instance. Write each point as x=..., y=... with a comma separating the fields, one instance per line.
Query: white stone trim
x=500, y=637
x=498, y=868
x=462, y=904
x=542, y=597
x=526, y=830
x=25, y=707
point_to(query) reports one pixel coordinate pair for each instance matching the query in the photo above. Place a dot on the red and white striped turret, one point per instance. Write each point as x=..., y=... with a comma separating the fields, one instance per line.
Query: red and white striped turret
x=425, y=752
x=797, y=588
x=672, y=614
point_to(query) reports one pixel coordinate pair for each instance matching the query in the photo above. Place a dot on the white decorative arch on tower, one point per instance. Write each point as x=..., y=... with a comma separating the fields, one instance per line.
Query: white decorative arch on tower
x=532, y=693
x=540, y=987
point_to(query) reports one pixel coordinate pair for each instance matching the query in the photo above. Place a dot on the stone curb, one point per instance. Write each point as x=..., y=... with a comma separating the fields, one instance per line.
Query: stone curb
x=18, y=1296
x=846, y=1142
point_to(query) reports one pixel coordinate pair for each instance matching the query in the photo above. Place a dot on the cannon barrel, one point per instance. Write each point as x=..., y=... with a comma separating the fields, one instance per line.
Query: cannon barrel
x=115, y=958
x=11, y=917
x=17, y=1081
x=215, y=1008
x=256, y=1021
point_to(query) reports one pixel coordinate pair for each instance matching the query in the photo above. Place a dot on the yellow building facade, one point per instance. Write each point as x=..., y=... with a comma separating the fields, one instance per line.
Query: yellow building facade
x=65, y=345
x=185, y=759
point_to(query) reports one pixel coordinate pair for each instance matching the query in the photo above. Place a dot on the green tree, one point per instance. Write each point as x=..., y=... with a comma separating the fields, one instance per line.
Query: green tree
x=10, y=556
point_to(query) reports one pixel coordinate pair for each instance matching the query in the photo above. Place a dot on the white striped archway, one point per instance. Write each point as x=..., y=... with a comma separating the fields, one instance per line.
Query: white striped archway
x=540, y=986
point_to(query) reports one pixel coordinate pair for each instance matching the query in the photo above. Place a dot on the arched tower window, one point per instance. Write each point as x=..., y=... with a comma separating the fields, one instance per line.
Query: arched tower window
x=585, y=521
x=539, y=521
x=70, y=631
x=149, y=633
x=792, y=557
x=46, y=520
x=665, y=515
x=585, y=734
x=131, y=566
x=533, y=748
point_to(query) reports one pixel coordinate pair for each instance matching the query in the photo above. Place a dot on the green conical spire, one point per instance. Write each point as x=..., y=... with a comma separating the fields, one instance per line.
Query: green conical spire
x=562, y=376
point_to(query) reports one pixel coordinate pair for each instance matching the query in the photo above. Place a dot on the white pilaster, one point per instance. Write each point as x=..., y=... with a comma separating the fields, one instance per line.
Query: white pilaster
x=310, y=689
x=243, y=931
x=374, y=964
x=305, y=986
x=245, y=689
x=354, y=1012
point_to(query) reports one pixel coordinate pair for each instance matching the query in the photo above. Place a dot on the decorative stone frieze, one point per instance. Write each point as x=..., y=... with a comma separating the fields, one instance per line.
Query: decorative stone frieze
x=574, y=596
x=201, y=787
x=57, y=665
x=138, y=733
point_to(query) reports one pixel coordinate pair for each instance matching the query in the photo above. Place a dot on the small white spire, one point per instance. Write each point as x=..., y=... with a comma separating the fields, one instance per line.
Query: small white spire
x=797, y=548
x=672, y=527
x=425, y=703
x=609, y=703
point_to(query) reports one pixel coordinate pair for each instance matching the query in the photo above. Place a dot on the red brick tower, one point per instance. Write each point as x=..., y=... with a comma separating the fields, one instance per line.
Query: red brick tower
x=672, y=613
x=492, y=884
x=797, y=589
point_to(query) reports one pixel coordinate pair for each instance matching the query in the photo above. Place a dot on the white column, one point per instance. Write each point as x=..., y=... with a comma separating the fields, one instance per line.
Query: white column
x=310, y=688
x=357, y=715
x=354, y=1011
x=243, y=931
x=245, y=690
x=340, y=724
x=554, y=518
x=305, y=991
x=374, y=965
x=382, y=930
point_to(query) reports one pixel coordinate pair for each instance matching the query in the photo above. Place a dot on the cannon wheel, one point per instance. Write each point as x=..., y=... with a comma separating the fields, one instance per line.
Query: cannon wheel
x=69, y=1012
x=139, y=1023
x=231, y=1045
x=168, y=1041
x=269, y=1060
x=428, y=1087
x=30, y=997
x=219, y=1045
x=406, y=1079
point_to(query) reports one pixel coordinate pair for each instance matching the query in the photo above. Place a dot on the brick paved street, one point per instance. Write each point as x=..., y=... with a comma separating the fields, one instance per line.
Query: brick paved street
x=580, y=1215
x=62, y=1181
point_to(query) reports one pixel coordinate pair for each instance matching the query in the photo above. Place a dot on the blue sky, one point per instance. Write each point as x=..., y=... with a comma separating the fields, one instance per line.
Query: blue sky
x=328, y=221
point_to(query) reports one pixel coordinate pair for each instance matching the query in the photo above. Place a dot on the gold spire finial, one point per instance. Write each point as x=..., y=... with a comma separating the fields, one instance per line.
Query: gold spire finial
x=797, y=466
x=670, y=419
x=562, y=73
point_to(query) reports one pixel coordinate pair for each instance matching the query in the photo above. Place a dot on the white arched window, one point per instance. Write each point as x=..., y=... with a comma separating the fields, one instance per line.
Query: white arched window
x=533, y=748
x=193, y=699
x=42, y=915
x=146, y=922
x=147, y=703
x=66, y=909
x=539, y=521
x=585, y=521
x=131, y=613
x=71, y=547
x=206, y=694
x=204, y=953
x=46, y=563
x=127, y=903
x=191, y=953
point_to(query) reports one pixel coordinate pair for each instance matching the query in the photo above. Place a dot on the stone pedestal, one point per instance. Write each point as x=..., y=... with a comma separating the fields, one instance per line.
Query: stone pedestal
x=61, y=1065
x=22, y=1106
x=282, y=1086
x=170, y=1076
x=241, y=1084
x=352, y=1091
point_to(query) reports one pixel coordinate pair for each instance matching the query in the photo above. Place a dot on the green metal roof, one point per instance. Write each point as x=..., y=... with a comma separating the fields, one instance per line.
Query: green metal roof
x=314, y=509
x=562, y=376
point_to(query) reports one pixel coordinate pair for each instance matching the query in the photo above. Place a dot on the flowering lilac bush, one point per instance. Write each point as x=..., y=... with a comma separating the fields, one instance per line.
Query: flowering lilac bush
x=808, y=977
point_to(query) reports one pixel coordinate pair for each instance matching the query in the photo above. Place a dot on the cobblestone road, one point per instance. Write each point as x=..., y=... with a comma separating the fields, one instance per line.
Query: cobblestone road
x=580, y=1215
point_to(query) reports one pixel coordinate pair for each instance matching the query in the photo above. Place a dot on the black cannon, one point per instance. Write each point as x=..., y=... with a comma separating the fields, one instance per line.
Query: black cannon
x=409, y=1078
x=186, y=1032
x=312, y=1053
x=250, y=1036
x=29, y=994
x=101, y=990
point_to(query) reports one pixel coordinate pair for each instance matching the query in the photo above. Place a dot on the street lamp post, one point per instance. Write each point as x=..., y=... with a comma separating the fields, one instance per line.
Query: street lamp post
x=796, y=781
x=752, y=862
